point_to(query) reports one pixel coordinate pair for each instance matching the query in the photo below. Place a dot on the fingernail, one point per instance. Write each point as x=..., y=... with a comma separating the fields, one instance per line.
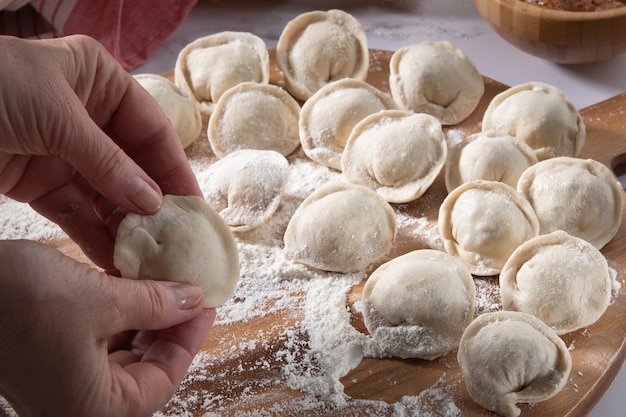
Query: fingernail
x=141, y=194
x=187, y=296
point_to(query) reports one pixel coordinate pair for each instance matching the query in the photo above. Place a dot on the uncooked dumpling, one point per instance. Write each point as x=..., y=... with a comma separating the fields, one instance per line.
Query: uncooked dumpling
x=397, y=153
x=318, y=47
x=418, y=304
x=580, y=196
x=245, y=187
x=435, y=78
x=340, y=227
x=561, y=279
x=508, y=357
x=485, y=156
x=182, y=111
x=210, y=65
x=541, y=116
x=185, y=241
x=483, y=222
x=254, y=116
x=327, y=118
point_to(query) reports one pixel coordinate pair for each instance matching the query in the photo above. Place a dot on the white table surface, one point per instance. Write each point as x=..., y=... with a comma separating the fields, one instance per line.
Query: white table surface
x=400, y=23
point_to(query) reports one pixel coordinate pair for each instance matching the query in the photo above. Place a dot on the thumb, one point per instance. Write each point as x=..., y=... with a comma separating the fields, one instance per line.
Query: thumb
x=109, y=169
x=148, y=305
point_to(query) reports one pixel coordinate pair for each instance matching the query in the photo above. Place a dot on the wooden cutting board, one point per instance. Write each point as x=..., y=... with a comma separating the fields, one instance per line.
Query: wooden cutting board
x=240, y=371
x=242, y=389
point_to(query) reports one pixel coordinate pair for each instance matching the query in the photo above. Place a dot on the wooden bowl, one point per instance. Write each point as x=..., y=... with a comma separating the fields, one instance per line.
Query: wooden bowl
x=556, y=35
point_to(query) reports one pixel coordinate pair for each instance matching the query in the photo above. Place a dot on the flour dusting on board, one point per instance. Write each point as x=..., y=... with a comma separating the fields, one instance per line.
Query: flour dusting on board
x=311, y=354
x=307, y=342
x=300, y=340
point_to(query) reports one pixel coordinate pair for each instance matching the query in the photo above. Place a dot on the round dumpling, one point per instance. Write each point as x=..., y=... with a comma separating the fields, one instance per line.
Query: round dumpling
x=319, y=47
x=541, y=116
x=208, y=66
x=418, y=304
x=245, y=187
x=484, y=156
x=435, y=78
x=580, y=196
x=327, y=118
x=483, y=222
x=185, y=241
x=254, y=116
x=508, y=357
x=183, y=112
x=397, y=153
x=561, y=279
x=340, y=227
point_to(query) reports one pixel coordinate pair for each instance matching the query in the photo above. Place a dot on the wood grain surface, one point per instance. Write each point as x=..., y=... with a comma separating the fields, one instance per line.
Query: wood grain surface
x=557, y=35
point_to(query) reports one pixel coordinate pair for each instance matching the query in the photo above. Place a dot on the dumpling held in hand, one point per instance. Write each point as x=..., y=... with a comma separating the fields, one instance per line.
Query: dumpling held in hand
x=185, y=241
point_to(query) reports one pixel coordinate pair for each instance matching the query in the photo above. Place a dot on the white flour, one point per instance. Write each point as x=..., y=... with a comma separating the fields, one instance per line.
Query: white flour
x=322, y=347
x=20, y=221
x=310, y=355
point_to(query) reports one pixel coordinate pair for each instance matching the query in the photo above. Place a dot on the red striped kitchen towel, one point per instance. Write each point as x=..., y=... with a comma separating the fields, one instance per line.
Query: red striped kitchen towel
x=130, y=30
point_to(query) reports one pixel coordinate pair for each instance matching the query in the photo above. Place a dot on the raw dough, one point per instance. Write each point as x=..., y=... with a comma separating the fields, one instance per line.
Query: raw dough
x=418, y=304
x=561, y=279
x=508, y=357
x=340, y=227
x=540, y=115
x=435, y=78
x=208, y=66
x=580, y=196
x=254, y=116
x=485, y=156
x=483, y=222
x=396, y=153
x=182, y=111
x=319, y=47
x=245, y=187
x=185, y=241
x=327, y=118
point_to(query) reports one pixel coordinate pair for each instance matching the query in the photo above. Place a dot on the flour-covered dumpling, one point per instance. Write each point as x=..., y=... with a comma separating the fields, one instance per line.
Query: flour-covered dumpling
x=182, y=111
x=319, y=47
x=245, y=187
x=340, y=227
x=418, y=304
x=485, y=156
x=397, y=153
x=327, y=118
x=540, y=115
x=561, y=279
x=508, y=357
x=580, y=196
x=185, y=241
x=254, y=116
x=483, y=222
x=435, y=78
x=210, y=65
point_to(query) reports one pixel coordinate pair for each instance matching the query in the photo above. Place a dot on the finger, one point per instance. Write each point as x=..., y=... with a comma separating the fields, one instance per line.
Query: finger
x=154, y=379
x=126, y=112
x=159, y=151
x=34, y=176
x=142, y=343
x=147, y=305
x=67, y=207
x=134, y=348
x=107, y=167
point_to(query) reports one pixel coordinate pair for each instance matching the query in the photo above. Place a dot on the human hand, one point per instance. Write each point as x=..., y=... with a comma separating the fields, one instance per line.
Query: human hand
x=80, y=139
x=67, y=348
